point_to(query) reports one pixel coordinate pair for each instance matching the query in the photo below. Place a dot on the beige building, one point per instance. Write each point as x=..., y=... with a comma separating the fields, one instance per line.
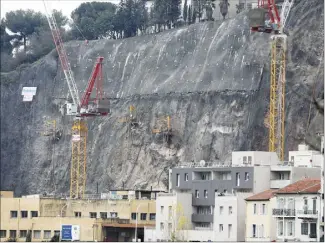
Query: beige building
x=260, y=225
x=96, y=219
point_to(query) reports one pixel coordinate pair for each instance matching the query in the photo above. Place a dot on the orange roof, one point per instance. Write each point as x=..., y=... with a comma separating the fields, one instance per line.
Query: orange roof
x=262, y=196
x=308, y=185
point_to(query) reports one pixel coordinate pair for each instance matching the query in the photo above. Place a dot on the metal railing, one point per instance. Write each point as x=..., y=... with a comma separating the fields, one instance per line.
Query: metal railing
x=283, y=212
x=115, y=221
x=307, y=212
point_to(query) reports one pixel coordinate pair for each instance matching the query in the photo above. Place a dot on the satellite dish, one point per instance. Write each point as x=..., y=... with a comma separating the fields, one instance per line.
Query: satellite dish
x=202, y=163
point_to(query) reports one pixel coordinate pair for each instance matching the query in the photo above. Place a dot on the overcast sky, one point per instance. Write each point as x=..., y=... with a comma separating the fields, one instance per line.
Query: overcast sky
x=66, y=6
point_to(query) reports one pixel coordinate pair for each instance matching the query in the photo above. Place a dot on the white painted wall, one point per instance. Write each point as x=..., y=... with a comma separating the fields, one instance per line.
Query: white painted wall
x=258, y=158
x=197, y=235
x=305, y=157
x=225, y=218
x=150, y=234
x=262, y=176
x=163, y=202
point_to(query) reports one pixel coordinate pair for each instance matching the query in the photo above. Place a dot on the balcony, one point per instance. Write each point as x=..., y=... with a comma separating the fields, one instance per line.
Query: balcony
x=202, y=218
x=283, y=212
x=116, y=221
x=307, y=213
x=275, y=184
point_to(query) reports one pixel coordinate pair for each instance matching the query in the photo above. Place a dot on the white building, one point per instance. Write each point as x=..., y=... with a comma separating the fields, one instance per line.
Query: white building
x=298, y=211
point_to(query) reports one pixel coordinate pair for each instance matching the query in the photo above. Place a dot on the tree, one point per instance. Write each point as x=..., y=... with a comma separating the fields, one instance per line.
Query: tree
x=209, y=7
x=94, y=20
x=189, y=15
x=224, y=5
x=24, y=23
x=5, y=38
x=185, y=11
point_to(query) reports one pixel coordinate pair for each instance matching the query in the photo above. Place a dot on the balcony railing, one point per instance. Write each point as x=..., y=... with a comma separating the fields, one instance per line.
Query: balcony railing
x=307, y=212
x=116, y=221
x=283, y=212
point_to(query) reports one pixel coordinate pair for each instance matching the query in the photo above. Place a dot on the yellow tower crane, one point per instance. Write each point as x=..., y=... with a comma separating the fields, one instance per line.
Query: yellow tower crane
x=266, y=19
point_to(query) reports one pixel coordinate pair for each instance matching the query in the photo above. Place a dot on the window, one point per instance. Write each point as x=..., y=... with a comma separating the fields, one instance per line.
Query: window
x=220, y=227
x=246, y=176
x=263, y=209
x=177, y=179
x=24, y=214
x=57, y=232
x=77, y=214
x=245, y=160
x=93, y=215
x=254, y=208
x=170, y=227
x=292, y=159
x=113, y=214
x=280, y=228
x=304, y=228
x=37, y=234
x=230, y=210
x=12, y=233
x=161, y=226
x=221, y=210
x=162, y=209
x=152, y=216
x=3, y=233
x=186, y=177
x=261, y=233
x=205, y=193
x=254, y=231
x=103, y=215
x=22, y=234
x=197, y=195
x=203, y=210
x=170, y=212
x=13, y=214
x=237, y=179
x=205, y=176
x=290, y=228
x=47, y=234
x=249, y=160
x=34, y=214
x=281, y=176
x=143, y=216
x=133, y=216
x=229, y=230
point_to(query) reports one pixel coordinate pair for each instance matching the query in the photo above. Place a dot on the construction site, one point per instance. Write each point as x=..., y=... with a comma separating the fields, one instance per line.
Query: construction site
x=98, y=118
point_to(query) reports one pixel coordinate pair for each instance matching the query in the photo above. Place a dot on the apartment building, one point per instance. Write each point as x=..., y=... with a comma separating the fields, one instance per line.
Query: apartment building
x=298, y=211
x=303, y=163
x=113, y=219
x=260, y=225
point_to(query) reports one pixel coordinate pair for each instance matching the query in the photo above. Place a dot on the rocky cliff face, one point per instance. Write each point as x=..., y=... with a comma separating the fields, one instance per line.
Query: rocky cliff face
x=211, y=78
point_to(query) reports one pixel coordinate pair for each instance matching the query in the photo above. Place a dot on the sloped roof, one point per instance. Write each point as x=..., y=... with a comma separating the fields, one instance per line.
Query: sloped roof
x=262, y=196
x=305, y=186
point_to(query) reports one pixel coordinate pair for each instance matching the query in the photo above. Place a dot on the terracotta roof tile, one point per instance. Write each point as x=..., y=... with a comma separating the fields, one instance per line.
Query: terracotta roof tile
x=308, y=185
x=262, y=196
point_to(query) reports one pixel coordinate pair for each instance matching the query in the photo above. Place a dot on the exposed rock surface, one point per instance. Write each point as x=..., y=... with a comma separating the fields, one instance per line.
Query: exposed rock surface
x=211, y=78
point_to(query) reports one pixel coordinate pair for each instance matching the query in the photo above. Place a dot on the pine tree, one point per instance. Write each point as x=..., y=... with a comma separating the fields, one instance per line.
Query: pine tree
x=185, y=10
x=189, y=15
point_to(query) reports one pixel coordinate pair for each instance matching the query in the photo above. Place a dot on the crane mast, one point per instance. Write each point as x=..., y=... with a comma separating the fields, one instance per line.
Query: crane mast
x=274, y=24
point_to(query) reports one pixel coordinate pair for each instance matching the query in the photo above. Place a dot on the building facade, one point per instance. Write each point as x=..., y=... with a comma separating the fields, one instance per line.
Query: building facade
x=298, y=211
x=97, y=219
x=260, y=225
